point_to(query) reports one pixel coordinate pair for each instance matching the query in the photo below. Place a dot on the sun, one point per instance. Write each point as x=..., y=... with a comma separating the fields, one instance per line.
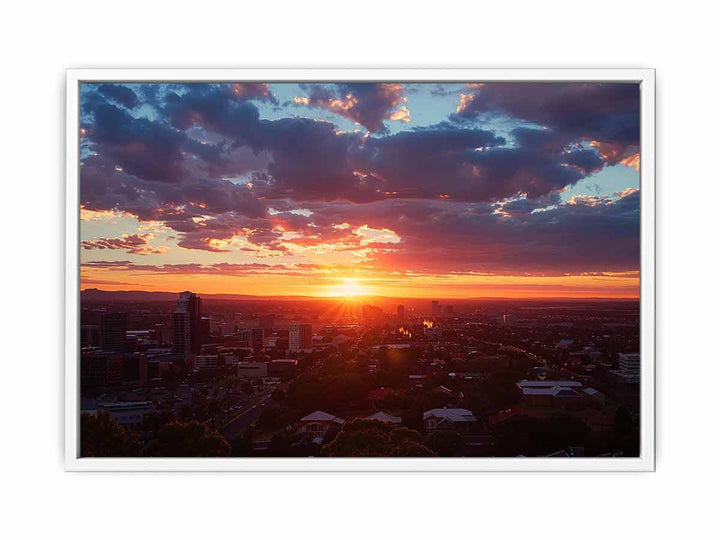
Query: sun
x=348, y=288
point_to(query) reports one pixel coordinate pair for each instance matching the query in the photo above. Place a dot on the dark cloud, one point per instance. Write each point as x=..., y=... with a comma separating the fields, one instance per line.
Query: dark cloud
x=119, y=94
x=225, y=269
x=605, y=112
x=216, y=109
x=462, y=199
x=367, y=104
x=470, y=164
x=589, y=234
x=309, y=160
x=104, y=187
x=201, y=209
x=149, y=150
x=136, y=244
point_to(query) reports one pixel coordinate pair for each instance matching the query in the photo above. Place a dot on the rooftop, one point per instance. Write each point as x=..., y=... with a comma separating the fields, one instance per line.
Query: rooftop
x=320, y=416
x=453, y=415
x=547, y=384
x=384, y=417
x=557, y=391
x=120, y=405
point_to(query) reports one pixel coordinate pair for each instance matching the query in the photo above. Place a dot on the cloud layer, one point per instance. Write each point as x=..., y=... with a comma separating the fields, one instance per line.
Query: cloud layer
x=227, y=168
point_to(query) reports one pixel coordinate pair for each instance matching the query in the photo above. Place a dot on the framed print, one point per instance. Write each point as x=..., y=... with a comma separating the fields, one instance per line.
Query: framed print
x=382, y=269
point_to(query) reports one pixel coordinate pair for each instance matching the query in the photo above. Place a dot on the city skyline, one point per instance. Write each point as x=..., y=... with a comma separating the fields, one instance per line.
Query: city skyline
x=508, y=190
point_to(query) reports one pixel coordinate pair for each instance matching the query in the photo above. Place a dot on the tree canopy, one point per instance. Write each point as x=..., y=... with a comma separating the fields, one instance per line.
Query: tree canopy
x=191, y=439
x=101, y=436
x=372, y=438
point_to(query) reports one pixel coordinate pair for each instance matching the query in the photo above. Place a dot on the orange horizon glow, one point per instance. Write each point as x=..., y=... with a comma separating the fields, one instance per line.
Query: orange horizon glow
x=355, y=289
x=348, y=288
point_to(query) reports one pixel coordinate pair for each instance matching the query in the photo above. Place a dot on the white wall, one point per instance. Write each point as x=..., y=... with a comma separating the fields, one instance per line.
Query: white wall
x=39, y=42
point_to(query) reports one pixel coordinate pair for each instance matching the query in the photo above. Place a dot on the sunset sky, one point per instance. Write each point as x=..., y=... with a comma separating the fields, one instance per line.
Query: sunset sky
x=401, y=190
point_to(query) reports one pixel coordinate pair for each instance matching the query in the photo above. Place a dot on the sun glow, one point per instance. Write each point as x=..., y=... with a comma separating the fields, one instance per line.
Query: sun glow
x=348, y=288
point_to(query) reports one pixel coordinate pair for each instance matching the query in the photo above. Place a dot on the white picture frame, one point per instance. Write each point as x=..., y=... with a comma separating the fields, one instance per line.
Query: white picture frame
x=646, y=461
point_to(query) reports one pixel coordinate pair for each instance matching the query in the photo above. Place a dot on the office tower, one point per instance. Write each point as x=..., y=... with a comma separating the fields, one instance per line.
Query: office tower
x=180, y=334
x=401, y=312
x=245, y=337
x=204, y=330
x=112, y=331
x=162, y=335
x=257, y=336
x=89, y=336
x=253, y=338
x=186, y=324
x=300, y=337
x=436, y=307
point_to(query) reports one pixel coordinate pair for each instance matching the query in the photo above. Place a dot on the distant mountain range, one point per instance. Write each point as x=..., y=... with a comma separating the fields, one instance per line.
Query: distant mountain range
x=98, y=295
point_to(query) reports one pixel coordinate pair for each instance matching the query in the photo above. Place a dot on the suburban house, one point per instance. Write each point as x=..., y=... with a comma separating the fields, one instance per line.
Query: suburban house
x=385, y=417
x=549, y=393
x=448, y=419
x=318, y=422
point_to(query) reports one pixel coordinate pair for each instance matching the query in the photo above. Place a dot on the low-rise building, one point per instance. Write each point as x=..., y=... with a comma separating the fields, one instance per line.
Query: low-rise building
x=446, y=419
x=318, y=422
x=206, y=361
x=252, y=369
x=549, y=392
x=629, y=372
x=282, y=367
x=108, y=369
x=128, y=413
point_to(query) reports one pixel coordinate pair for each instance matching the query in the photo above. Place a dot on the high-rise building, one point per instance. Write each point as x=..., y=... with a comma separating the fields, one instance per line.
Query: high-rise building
x=89, y=336
x=186, y=324
x=401, y=312
x=300, y=339
x=180, y=334
x=204, y=330
x=257, y=336
x=113, y=327
x=253, y=338
x=162, y=335
x=436, y=309
x=245, y=337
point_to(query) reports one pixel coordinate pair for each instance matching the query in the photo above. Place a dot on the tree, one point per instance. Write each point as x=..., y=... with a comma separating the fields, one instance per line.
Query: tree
x=536, y=437
x=191, y=439
x=279, y=445
x=371, y=438
x=242, y=446
x=444, y=443
x=626, y=437
x=101, y=436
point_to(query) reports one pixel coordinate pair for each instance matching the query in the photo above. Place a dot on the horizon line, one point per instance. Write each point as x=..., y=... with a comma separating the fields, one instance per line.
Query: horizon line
x=315, y=297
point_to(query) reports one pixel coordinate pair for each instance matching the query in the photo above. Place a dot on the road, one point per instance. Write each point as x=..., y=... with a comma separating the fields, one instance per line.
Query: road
x=242, y=421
